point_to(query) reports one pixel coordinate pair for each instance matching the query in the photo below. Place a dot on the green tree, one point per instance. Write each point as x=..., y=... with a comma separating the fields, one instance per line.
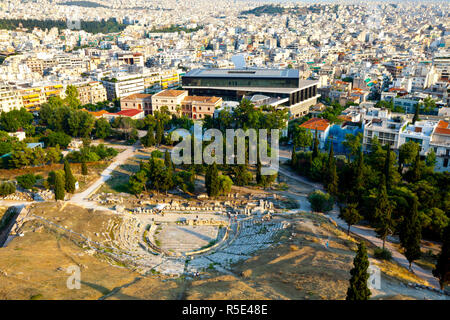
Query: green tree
x=15, y=119
x=302, y=138
x=411, y=233
x=406, y=154
x=149, y=139
x=68, y=178
x=358, y=185
x=59, y=187
x=53, y=139
x=258, y=172
x=416, y=114
x=212, y=181
x=72, y=97
x=353, y=143
x=358, y=289
x=84, y=168
x=159, y=133
x=294, y=158
x=315, y=152
x=102, y=129
x=7, y=188
x=442, y=269
x=168, y=160
x=242, y=176
x=26, y=181
x=53, y=155
x=429, y=105
x=384, y=224
x=331, y=176
x=351, y=215
x=224, y=184
x=21, y=156
x=320, y=201
x=430, y=160
x=137, y=182
x=387, y=167
x=416, y=168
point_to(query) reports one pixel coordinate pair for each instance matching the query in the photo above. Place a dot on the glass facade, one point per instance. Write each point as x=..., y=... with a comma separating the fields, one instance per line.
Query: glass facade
x=240, y=82
x=236, y=94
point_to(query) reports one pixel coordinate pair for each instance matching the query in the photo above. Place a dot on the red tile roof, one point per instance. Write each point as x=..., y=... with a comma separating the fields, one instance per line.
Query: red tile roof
x=169, y=93
x=129, y=112
x=316, y=123
x=442, y=128
x=137, y=96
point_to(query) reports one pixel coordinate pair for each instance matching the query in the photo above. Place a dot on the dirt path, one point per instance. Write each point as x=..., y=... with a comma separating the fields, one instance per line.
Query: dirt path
x=105, y=175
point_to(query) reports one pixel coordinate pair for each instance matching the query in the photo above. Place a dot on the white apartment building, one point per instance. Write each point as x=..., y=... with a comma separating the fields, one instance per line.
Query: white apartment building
x=91, y=92
x=440, y=142
x=123, y=86
x=386, y=130
x=9, y=99
x=442, y=64
x=419, y=132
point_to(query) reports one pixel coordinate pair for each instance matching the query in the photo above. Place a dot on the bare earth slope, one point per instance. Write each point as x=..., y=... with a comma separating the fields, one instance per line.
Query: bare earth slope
x=299, y=265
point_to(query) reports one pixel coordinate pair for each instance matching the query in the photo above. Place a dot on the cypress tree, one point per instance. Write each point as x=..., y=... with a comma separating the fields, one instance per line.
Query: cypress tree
x=294, y=158
x=442, y=270
x=168, y=160
x=387, y=165
x=416, y=114
x=358, y=184
x=149, y=139
x=59, y=187
x=258, y=172
x=384, y=225
x=332, y=177
x=214, y=188
x=69, y=178
x=315, y=146
x=411, y=234
x=159, y=133
x=415, y=175
x=208, y=180
x=358, y=289
x=84, y=169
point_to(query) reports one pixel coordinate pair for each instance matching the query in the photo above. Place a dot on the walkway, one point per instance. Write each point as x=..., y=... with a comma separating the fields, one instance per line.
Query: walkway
x=105, y=175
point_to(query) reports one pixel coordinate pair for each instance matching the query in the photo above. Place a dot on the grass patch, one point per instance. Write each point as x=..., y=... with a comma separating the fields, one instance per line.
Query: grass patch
x=383, y=254
x=118, y=183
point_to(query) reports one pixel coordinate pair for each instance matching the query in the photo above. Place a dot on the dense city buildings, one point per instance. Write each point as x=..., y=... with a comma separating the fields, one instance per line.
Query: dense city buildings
x=225, y=150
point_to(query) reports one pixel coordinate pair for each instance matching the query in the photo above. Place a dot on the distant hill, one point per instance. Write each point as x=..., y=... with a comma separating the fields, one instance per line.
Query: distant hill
x=265, y=9
x=87, y=4
x=277, y=9
x=103, y=26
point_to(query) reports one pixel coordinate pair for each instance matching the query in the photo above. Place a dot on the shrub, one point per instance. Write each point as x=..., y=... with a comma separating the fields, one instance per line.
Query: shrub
x=383, y=254
x=26, y=181
x=7, y=188
x=320, y=202
x=157, y=154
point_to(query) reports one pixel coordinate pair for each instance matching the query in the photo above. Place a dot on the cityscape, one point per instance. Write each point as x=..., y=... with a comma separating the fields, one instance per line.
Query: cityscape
x=224, y=150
